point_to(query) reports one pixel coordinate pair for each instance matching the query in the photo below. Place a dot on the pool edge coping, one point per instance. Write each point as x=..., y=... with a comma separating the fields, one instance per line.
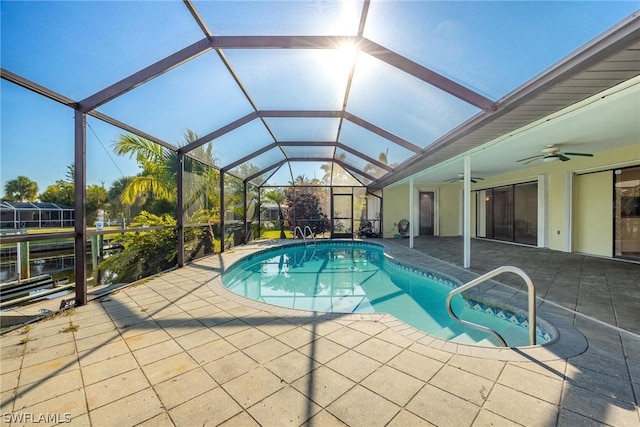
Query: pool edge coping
x=569, y=343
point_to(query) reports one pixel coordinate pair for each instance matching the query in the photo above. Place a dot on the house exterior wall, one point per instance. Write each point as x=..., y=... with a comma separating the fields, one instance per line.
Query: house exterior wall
x=563, y=227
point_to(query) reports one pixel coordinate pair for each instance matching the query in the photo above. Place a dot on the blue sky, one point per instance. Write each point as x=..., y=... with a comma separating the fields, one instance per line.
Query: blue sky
x=77, y=48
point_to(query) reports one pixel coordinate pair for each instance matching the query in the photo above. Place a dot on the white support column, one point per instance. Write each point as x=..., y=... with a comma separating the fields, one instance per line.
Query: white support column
x=411, y=203
x=467, y=211
x=542, y=211
x=567, y=220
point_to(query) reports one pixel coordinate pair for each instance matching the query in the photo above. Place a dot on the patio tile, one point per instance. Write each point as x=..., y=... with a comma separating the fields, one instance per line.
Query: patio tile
x=45, y=342
x=349, y=408
x=287, y=406
x=211, y=351
x=347, y=337
x=47, y=388
x=571, y=419
x=230, y=327
x=297, y=337
x=276, y=327
x=230, y=367
x=486, y=368
x=441, y=408
x=392, y=384
x=322, y=350
x=210, y=408
x=108, y=368
x=520, y=407
x=379, y=350
x=129, y=411
x=322, y=327
x=267, y=350
x=389, y=335
x=406, y=418
x=532, y=383
x=155, y=352
x=45, y=370
x=243, y=419
x=291, y=366
x=98, y=354
x=465, y=385
x=86, y=331
x=247, y=338
x=51, y=353
x=160, y=420
x=416, y=365
x=324, y=419
x=184, y=387
x=612, y=387
x=253, y=386
x=600, y=408
x=170, y=367
x=69, y=405
x=323, y=385
x=145, y=340
x=114, y=388
x=354, y=365
x=179, y=327
x=197, y=338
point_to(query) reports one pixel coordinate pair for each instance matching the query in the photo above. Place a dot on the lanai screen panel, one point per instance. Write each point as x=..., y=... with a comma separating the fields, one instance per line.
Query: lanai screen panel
x=309, y=151
x=402, y=104
x=200, y=96
x=77, y=48
x=360, y=164
x=304, y=129
x=281, y=17
x=292, y=79
x=490, y=47
x=258, y=163
x=373, y=145
x=241, y=142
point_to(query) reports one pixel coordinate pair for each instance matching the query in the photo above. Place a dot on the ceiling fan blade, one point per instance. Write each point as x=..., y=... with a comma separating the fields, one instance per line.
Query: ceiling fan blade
x=477, y=178
x=530, y=158
x=473, y=180
x=562, y=157
x=451, y=180
x=579, y=154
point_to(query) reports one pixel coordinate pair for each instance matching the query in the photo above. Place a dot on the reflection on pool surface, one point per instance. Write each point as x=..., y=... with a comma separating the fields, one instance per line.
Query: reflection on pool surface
x=357, y=277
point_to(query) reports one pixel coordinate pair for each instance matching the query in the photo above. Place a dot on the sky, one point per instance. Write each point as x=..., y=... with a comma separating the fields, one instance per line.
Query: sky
x=77, y=48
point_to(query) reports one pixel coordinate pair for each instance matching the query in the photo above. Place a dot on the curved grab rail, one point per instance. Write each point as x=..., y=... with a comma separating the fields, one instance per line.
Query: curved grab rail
x=311, y=233
x=295, y=233
x=531, y=301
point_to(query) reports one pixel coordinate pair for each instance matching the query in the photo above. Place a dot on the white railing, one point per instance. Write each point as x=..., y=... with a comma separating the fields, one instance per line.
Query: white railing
x=302, y=233
x=487, y=276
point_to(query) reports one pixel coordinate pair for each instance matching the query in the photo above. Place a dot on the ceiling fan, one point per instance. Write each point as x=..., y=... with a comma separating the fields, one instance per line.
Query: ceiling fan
x=552, y=153
x=460, y=178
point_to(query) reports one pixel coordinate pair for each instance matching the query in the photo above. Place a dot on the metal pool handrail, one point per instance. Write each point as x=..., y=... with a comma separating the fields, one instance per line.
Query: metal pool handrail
x=531, y=302
x=311, y=233
x=302, y=233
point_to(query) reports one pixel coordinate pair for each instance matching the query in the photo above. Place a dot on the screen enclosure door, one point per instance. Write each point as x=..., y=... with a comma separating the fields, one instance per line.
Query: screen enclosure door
x=342, y=220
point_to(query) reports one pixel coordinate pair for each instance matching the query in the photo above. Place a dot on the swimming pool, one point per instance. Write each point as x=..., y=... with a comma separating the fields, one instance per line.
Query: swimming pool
x=357, y=277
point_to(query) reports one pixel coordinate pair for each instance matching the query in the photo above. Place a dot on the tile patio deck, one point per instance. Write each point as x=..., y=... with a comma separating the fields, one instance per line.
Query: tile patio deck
x=180, y=349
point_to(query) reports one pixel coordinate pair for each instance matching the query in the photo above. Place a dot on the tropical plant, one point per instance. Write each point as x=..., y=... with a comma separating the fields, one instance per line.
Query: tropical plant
x=60, y=193
x=277, y=196
x=146, y=253
x=21, y=189
x=158, y=180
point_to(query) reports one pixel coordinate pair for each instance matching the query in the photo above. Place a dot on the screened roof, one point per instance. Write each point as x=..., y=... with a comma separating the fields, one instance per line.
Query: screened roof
x=350, y=92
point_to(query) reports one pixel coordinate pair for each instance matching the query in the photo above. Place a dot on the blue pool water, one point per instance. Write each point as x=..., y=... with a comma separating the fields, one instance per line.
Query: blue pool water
x=356, y=277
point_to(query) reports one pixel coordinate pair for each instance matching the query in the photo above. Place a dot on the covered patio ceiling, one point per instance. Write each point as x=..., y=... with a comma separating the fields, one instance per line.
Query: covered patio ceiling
x=379, y=91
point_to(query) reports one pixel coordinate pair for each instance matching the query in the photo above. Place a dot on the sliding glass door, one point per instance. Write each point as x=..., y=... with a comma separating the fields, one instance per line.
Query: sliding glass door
x=627, y=213
x=509, y=213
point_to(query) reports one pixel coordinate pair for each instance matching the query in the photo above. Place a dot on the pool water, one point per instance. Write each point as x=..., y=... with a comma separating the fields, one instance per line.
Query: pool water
x=344, y=277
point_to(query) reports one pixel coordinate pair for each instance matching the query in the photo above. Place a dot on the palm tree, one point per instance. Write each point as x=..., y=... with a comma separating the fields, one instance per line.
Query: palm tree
x=277, y=197
x=21, y=189
x=160, y=168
